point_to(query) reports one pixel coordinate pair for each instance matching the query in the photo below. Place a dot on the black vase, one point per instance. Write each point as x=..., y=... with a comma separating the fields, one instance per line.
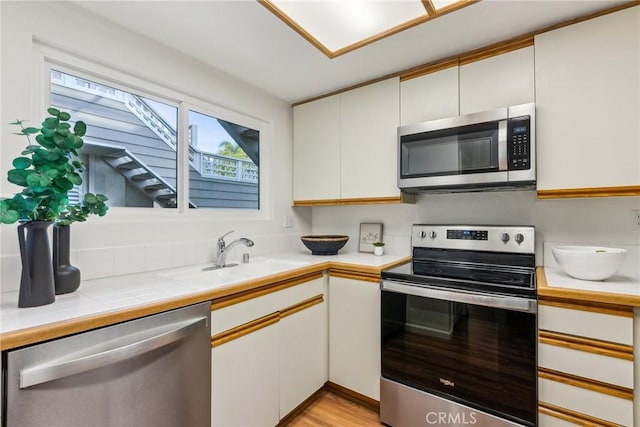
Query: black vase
x=66, y=276
x=36, y=280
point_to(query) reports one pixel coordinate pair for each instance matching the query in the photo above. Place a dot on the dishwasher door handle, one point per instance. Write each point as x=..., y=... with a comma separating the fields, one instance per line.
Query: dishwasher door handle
x=144, y=342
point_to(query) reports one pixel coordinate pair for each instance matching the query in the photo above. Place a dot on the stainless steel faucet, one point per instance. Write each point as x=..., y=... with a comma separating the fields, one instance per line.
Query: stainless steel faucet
x=223, y=248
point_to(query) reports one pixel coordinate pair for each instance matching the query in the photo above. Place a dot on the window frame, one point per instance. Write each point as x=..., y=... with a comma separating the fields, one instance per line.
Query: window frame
x=48, y=58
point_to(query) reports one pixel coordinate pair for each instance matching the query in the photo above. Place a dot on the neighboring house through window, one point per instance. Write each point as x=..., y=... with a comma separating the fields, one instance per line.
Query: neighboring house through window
x=132, y=143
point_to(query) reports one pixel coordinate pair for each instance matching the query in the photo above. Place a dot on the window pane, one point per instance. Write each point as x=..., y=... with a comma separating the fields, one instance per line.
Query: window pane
x=130, y=145
x=223, y=163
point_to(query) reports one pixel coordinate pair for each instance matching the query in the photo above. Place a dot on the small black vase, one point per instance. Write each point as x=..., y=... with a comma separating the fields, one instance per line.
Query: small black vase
x=36, y=280
x=67, y=277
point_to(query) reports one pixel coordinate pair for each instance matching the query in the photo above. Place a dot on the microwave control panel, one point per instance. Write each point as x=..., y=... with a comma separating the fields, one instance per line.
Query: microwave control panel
x=518, y=143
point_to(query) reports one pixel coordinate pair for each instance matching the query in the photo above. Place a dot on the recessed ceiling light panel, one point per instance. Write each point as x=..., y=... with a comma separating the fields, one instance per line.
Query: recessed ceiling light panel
x=339, y=26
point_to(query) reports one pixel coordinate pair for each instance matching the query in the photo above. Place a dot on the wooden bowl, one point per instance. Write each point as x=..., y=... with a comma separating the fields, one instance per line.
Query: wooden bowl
x=324, y=244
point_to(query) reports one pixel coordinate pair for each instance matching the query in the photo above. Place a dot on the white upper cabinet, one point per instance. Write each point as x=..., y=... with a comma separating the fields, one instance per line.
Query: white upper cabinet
x=491, y=83
x=498, y=81
x=344, y=146
x=429, y=97
x=370, y=116
x=588, y=103
x=316, y=150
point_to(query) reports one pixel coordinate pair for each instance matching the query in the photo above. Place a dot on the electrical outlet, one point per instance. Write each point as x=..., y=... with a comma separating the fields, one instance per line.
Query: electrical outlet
x=287, y=221
x=635, y=220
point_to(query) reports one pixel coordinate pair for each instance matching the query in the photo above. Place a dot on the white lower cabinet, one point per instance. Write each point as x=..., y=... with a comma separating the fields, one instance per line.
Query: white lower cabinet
x=585, y=364
x=303, y=355
x=269, y=353
x=245, y=380
x=354, y=335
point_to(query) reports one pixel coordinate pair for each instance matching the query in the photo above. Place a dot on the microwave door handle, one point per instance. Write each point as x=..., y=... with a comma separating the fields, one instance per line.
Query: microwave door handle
x=495, y=301
x=502, y=146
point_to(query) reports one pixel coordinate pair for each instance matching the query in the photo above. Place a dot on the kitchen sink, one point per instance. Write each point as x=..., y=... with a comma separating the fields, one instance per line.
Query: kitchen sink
x=212, y=276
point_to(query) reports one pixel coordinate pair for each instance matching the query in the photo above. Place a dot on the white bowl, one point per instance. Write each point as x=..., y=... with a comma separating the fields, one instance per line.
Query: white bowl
x=589, y=262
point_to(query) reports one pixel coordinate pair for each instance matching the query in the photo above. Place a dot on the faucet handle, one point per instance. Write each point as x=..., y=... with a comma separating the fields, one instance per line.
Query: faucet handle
x=221, y=238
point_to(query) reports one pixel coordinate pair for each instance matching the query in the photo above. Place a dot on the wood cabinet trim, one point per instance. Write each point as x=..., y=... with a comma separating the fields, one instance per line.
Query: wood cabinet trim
x=263, y=322
x=497, y=49
x=302, y=305
x=586, y=383
x=572, y=193
x=255, y=293
x=592, y=307
x=547, y=293
x=604, y=348
x=355, y=276
x=573, y=416
x=245, y=329
x=354, y=396
x=356, y=201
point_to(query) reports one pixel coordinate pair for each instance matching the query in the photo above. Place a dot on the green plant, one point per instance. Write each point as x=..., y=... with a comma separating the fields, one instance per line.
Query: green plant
x=378, y=244
x=92, y=204
x=47, y=170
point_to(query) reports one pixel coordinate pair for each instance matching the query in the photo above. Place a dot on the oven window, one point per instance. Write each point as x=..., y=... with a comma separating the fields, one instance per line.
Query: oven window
x=482, y=357
x=450, y=152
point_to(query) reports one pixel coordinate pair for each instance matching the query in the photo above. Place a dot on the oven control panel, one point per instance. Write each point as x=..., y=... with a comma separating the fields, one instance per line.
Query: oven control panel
x=517, y=239
x=467, y=234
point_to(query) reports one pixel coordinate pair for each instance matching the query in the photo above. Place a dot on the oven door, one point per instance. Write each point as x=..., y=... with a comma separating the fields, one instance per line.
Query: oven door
x=478, y=350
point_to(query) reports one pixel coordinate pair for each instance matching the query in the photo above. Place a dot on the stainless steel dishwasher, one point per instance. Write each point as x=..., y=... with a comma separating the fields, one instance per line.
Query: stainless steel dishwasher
x=154, y=371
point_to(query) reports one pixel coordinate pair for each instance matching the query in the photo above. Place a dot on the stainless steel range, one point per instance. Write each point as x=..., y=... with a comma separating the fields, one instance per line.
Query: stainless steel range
x=458, y=343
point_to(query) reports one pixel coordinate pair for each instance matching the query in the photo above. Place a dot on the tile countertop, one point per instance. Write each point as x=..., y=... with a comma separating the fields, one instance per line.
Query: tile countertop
x=623, y=288
x=100, y=302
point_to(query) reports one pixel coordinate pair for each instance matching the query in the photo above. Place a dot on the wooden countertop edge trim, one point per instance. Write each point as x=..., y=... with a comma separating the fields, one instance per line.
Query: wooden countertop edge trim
x=546, y=292
x=31, y=335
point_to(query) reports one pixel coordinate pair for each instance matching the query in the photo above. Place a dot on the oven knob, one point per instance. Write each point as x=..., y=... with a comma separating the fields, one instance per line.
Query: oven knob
x=519, y=238
x=505, y=237
x=422, y=234
x=433, y=234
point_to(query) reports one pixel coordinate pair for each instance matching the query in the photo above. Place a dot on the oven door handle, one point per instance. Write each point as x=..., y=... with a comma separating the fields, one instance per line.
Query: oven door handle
x=496, y=301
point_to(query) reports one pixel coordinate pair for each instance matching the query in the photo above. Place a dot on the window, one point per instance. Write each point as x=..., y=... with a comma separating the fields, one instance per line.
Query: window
x=132, y=149
x=223, y=163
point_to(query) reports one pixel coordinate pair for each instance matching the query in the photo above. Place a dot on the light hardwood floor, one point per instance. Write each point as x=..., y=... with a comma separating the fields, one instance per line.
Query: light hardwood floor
x=331, y=410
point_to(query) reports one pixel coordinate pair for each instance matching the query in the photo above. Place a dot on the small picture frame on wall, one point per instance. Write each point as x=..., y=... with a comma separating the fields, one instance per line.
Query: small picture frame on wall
x=370, y=232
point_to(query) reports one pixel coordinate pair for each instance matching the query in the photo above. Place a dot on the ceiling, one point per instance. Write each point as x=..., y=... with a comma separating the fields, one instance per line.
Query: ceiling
x=244, y=39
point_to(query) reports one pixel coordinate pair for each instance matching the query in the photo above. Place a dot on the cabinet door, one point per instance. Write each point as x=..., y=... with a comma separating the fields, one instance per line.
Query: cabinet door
x=499, y=81
x=354, y=335
x=370, y=116
x=244, y=380
x=429, y=97
x=303, y=355
x=587, y=86
x=316, y=150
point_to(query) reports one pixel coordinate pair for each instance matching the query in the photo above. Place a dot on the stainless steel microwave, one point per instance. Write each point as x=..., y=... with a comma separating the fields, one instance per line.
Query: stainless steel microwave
x=473, y=152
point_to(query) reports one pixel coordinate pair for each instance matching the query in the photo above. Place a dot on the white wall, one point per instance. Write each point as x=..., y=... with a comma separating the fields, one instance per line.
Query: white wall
x=130, y=240
x=598, y=221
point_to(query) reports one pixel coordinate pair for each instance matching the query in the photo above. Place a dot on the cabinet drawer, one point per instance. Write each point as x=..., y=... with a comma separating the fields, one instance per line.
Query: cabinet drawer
x=612, y=370
x=601, y=326
x=230, y=316
x=585, y=401
x=545, y=420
